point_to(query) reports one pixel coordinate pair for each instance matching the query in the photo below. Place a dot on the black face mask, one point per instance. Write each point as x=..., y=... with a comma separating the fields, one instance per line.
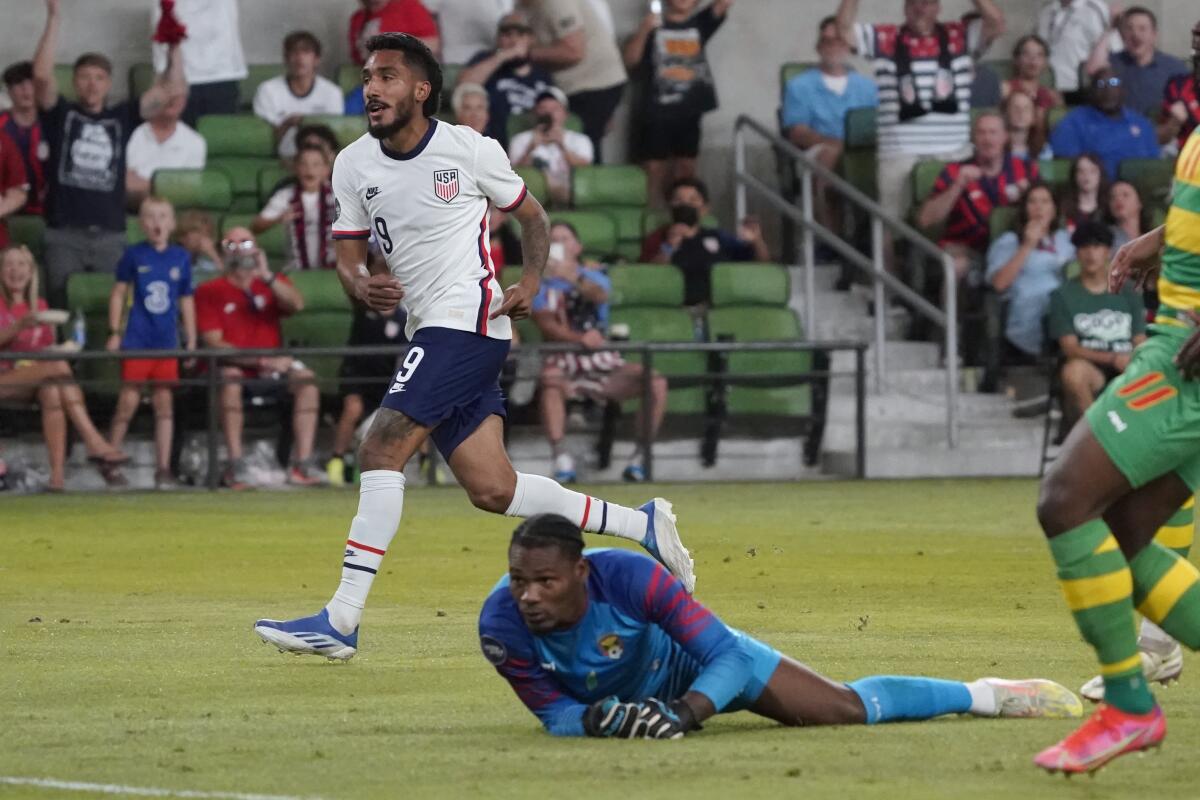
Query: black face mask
x=684, y=214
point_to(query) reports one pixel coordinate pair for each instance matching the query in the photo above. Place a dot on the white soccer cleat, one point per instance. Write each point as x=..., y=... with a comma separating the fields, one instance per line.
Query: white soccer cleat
x=662, y=541
x=1156, y=667
x=1034, y=698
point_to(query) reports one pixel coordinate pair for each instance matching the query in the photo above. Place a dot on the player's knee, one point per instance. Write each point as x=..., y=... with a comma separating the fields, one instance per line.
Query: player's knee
x=1054, y=502
x=494, y=494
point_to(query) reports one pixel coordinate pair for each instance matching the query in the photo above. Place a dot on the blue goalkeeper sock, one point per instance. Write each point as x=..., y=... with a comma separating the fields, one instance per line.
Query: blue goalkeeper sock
x=891, y=698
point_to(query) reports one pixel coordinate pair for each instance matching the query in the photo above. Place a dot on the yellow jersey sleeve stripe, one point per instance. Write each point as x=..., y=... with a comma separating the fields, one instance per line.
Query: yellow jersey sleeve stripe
x=1176, y=295
x=1084, y=593
x=1166, y=593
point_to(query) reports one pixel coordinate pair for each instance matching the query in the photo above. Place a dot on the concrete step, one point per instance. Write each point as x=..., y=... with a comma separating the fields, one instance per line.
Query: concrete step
x=916, y=382
x=910, y=435
x=901, y=408
x=898, y=356
x=939, y=462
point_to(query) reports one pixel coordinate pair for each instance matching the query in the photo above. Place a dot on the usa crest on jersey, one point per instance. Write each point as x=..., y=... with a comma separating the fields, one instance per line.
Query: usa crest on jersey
x=445, y=184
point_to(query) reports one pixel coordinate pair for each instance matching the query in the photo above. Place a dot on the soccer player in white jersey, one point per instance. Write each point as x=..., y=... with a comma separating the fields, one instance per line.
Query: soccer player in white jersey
x=423, y=186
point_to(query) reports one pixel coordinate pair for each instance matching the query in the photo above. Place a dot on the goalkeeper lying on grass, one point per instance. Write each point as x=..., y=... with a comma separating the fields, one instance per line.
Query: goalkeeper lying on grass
x=608, y=643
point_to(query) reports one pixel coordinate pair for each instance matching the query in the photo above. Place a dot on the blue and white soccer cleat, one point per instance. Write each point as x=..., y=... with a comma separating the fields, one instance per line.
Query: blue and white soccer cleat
x=313, y=636
x=634, y=473
x=662, y=541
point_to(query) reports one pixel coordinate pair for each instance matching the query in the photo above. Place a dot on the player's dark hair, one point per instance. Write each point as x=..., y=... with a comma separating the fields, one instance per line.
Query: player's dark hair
x=697, y=184
x=18, y=73
x=1026, y=39
x=549, y=530
x=562, y=223
x=304, y=39
x=1132, y=10
x=93, y=60
x=417, y=57
x=1091, y=233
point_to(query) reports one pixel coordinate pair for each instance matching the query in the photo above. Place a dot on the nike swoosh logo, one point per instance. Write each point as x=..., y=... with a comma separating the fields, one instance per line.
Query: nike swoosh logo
x=396, y=387
x=549, y=667
x=371, y=193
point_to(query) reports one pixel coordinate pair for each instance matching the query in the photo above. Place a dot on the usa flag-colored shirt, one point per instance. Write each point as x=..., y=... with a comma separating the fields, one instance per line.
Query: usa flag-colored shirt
x=968, y=220
x=1182, y=89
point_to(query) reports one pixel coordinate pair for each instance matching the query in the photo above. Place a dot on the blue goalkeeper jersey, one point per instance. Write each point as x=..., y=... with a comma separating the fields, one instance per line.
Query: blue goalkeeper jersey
x=642, y=636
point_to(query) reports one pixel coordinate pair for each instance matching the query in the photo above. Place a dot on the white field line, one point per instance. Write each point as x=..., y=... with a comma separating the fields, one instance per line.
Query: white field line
x=138, y=791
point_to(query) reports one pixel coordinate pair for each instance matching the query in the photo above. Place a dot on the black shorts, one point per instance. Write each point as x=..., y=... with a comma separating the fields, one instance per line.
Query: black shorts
x=668, y=137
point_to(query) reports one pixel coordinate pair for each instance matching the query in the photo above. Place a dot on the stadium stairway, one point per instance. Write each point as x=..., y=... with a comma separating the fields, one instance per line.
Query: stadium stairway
x=906, y=423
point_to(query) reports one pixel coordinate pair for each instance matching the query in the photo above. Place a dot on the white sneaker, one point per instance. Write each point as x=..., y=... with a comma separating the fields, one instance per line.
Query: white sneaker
x=1156, y=667
x=662, y=541
x=1034, y=698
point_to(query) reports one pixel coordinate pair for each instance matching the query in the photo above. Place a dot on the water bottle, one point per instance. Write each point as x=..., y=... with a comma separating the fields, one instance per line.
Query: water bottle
x=79, y=329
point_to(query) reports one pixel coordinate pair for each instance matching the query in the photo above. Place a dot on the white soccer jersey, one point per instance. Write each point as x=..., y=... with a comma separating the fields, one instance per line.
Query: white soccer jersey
x=428, y=209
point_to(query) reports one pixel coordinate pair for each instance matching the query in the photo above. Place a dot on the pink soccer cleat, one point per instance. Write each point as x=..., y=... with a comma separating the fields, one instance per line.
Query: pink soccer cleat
x=1107, y=734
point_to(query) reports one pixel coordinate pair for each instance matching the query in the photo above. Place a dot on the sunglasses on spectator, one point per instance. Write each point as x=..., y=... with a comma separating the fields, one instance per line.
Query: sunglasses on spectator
x=1103, y=82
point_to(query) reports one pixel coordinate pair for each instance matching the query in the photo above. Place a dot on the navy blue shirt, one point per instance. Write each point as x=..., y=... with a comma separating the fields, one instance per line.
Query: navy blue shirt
x=510, y=93
x=1089, y=130
x=1144, y=86
x=158, y=279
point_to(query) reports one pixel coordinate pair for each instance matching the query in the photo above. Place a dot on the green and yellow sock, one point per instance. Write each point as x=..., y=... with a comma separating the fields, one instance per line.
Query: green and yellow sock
x=1167, y=592
x=1098, y=587
x=1180, y=530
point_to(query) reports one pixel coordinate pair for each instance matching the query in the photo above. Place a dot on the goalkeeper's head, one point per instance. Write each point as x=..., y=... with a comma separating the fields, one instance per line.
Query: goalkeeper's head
x=547, y=573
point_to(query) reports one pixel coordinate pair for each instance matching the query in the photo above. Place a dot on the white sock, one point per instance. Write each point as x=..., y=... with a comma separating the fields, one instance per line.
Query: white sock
x=538, y=495
x=1155, y=639
x=380, y=503
x=983, y=699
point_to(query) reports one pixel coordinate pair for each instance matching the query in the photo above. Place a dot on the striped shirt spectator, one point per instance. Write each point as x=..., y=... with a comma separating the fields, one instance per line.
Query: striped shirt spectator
x=21, y=124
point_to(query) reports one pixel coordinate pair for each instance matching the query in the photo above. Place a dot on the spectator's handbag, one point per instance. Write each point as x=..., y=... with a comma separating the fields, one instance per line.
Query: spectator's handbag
x=944, y=99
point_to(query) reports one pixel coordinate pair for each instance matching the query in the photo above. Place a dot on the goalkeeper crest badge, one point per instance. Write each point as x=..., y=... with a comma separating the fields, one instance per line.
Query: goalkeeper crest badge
x=611, y=645
x=493, y=650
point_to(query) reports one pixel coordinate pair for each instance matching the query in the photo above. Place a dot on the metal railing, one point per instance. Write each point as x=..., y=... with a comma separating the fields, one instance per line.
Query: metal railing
x=211, y=380
x=873, y=267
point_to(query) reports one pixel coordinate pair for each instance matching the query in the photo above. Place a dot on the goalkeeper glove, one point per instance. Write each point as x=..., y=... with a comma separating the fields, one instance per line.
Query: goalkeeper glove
x=649, y=719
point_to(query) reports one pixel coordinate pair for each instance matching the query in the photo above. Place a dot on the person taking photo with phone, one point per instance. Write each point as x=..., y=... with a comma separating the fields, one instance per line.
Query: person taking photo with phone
x=550, y=147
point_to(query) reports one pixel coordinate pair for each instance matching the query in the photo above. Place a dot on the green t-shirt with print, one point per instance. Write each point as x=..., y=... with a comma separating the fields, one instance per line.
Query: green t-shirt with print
x=1105, y=321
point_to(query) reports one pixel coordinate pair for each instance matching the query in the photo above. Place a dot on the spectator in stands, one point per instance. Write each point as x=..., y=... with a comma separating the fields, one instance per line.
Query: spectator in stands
x=241, y=310
x=550, y=147
x=391, y=16
x=1071, y=29
x=1181, y=101
x=575, y=44
x=307, y=208
x=318, y=135
x=815, y=104
x=1128, y=218
x=163, y=141
x=1085, y=193
x=198, y=236
x=693, y=247
x=920, y=119
x=967, y=192
x=1096, y=330
x=85, y=203
x=21, y=124
x=568, y=309
x=668, y=54
x=1026, y=136
x=466, y=26
x=160, y=276
x=1105, y=127
x=1030, y=55
x=47, y=382
x=14, y=183
x=213, y=61
x=470, y=105
x=513, y=81
x=1143, y=69
x=285, y=100
x=1025, y=266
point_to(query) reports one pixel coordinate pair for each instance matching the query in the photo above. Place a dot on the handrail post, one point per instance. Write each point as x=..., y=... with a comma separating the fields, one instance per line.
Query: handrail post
x=877, y=262
x=860, y=412
x=739, y=166
x=647, y=402
x=810, y=283
x=213, y=478
x=949, y=280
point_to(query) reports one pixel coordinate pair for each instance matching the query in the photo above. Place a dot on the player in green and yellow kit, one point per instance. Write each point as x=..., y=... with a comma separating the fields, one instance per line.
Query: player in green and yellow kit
x=1125, y=474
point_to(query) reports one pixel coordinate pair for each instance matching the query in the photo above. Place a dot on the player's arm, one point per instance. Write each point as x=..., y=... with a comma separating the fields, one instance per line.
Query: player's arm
x=535, y=245
x=368, y=283
x=170, y=85
x=560, y=713
x=1138, y=259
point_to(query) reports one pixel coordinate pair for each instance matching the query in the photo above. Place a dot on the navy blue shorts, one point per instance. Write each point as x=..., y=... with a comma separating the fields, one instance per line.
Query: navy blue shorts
x=449, y=381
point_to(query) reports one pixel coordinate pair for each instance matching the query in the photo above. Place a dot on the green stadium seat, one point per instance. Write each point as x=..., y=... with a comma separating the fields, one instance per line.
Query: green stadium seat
x=133, y=229
x=523, y=122
x=668, y=325
x=87, y=293
x=646, y=285
x=860, y=127
x=535, y=182
x=1055, y=172
x=750, y=284
x=349, y=77
x=269, y=176
x=242, y=172
x=759, y=324
x=347, y=129
x=596, y=230
x=509, y=276
x=324, y=322
x=64, y=75
x=628, y=220
x=789, y=70
x=209, y=189
x=236, y=135
x=141, y=78
x=1152, y=177
x=608, y=185
x=450, y=73
x=858, y=160
x=256, y=74
x=924, y=175
x=273, y=240
x=244, y=204
x=30, y=231
x=1002, y=220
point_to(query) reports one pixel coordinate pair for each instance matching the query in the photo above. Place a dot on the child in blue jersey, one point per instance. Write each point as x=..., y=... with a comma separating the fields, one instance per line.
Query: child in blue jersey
x=607, y=643
x=160, y=275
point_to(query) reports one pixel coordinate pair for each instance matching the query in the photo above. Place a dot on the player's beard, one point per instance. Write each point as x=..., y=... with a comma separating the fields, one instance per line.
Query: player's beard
x=404, y=114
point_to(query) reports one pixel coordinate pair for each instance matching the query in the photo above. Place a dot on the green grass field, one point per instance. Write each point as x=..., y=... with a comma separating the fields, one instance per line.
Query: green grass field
x=127, y=656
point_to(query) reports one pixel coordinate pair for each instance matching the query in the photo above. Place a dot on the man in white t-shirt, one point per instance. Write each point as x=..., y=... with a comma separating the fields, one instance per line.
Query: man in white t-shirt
x=467, y=26
x=423, y=188
x=213, y=62
x=1071, y=28
x=285, y=100
x=550, y=147
x=161, y=142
